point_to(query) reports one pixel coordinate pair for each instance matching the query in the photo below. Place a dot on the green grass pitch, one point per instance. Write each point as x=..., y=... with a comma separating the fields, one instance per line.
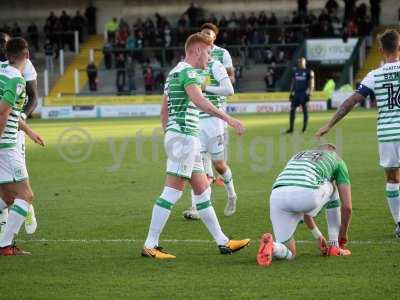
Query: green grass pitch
x=95, y=184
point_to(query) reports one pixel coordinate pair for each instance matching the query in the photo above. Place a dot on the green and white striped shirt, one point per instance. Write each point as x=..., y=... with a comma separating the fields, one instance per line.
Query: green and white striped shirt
x=12, y=91
x=212, y=77
x=222, y=55
x=312, y=168
x=183, y=115
x=384, y=82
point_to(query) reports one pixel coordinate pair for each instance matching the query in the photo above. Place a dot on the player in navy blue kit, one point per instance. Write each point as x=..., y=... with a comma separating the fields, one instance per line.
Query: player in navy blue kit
x=302, y=86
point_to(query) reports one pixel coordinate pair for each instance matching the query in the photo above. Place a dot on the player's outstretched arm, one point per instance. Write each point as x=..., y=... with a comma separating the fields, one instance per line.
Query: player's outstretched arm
x=224, y=88
x=346, y=210
x=342, y=111
x=5, y=110
x=319, y=238
x=194, y=92
x=32, y=135
x=164, y=112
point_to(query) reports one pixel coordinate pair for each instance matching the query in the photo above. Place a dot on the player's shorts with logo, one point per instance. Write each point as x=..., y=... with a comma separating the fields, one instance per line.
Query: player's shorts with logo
x=12, y=166
x=212, y=137
x=389, y=154
x=289, y=204
x=183, y=154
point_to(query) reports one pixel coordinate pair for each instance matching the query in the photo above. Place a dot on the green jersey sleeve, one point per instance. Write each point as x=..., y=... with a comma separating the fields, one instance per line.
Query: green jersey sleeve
x=189, y=76
x=341, y=174
x=13, y=90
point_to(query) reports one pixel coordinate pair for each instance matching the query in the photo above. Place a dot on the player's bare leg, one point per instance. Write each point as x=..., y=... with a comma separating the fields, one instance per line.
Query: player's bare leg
x=392, y=195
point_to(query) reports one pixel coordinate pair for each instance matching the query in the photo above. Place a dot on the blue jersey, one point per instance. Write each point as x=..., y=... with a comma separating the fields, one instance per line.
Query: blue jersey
x=302, y=78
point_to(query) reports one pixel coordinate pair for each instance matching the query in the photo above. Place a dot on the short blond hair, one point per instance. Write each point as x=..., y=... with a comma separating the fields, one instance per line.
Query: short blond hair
x=198, y=37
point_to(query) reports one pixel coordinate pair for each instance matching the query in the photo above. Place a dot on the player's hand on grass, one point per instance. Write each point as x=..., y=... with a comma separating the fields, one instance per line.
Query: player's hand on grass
x=36, y=138
x=237, y=125
x=322, y=131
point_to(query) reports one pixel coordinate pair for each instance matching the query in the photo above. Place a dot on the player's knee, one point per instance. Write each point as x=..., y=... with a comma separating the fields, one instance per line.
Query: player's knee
x=28, y=196
x=220, y=166
x=392, y=175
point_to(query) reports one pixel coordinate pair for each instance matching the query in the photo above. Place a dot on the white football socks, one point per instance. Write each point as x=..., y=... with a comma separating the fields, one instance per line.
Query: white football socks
x=16, y=218
x=393, y=198
x=208, y=216
x=228, y=182
x=160, y=215
x=333, y=219
x=281, y=251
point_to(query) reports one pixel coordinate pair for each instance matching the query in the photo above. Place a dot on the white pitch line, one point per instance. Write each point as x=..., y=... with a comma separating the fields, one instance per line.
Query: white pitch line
x=94, y=241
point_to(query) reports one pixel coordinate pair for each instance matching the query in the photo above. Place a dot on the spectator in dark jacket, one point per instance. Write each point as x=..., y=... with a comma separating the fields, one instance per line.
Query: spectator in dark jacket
x=91, y=71
x=121, y=74
x=49, y=53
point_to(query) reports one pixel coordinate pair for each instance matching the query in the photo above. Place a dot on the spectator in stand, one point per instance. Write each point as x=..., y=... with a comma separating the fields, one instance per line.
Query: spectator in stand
x=107, y=52
x=159, y=81
x=111, y=29
x=350, y=30
x=223, y=22
x=130, y=72
x=183, y=21
x=302, y=7
x=90, y=14
x=252, y=19
x=332, y=7
x=78, y=23
x=326, y=29
x=49, y=53
x=58, y=37
x=212, y=19
x=123, y=34
x=48, y=31
x=91, y=71
x=269, y=79
x=33, y=35
x=131, y=43
x=65, y=35
x=337, y=26
x=281, y=57
x=349, y=9
x=148, y=79
x=120, y=48
x=262, y=20
x=195, y=14
x=52, y=18
x=269, y=57
x=121, y=73
x=238, y=76
x=16, y=30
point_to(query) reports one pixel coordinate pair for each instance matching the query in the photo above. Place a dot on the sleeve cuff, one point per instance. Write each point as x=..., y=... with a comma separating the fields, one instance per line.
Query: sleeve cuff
x=364, y=90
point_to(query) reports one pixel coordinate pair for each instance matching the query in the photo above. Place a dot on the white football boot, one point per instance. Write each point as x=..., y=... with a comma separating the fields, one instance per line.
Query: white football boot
x=191, y=214
x=230, y=207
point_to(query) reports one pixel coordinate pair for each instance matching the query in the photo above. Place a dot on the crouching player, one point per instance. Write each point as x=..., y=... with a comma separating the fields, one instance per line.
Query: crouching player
x=301, y=190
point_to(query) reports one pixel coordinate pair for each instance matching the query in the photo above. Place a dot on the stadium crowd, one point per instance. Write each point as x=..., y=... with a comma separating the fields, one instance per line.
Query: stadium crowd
x=251, y=38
